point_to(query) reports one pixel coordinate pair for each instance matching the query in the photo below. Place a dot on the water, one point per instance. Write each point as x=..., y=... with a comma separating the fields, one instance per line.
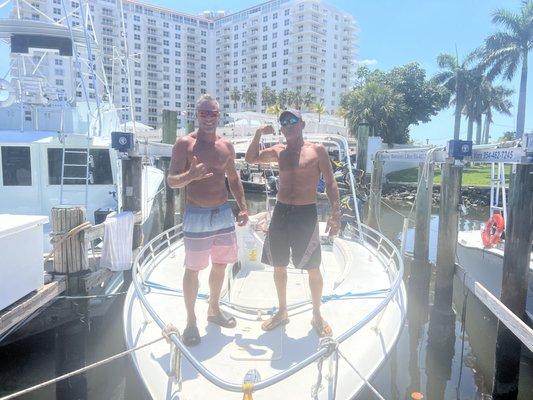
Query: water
x=464, y=371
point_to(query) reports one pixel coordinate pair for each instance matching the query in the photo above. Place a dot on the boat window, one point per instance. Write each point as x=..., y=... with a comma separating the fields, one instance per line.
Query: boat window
x=75, y=167
x=16, y=166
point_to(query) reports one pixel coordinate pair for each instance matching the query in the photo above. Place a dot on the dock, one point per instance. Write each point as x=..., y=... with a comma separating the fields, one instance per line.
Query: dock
x=514, y=333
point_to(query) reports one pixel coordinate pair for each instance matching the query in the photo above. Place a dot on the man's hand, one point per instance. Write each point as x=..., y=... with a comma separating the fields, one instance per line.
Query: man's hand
x=198, y=171
x=333, y=225
x=242, y=218
x=265, y=130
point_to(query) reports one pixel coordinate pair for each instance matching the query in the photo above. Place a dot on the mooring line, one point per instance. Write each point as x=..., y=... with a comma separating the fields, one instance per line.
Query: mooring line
x=78, y=371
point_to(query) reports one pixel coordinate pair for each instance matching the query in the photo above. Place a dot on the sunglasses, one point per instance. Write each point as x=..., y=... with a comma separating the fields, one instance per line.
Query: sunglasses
x=208, y=113
x=289, y=121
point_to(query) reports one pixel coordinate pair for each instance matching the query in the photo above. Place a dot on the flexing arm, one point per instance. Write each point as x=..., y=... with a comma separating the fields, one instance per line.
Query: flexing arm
x=178, y=176
x=235, y=186
x=332, y=191
x=254, y=155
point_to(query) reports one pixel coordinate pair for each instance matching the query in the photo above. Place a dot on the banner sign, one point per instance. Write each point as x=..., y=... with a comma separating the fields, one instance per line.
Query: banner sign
x=505, y=154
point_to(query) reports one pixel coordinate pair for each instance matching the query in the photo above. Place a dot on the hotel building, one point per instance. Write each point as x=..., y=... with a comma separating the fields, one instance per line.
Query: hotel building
x=303, y=45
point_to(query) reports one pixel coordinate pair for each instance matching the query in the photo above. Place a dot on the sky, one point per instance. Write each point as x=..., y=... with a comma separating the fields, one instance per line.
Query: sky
x=396, y=32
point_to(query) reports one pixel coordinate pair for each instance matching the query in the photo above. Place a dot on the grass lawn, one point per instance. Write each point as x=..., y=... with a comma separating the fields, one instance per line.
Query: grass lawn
x=473, y=175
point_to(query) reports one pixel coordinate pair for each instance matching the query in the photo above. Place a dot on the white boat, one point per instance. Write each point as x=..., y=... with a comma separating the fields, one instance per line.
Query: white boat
x=364, y=301
x=485, y=264
x=56, y=151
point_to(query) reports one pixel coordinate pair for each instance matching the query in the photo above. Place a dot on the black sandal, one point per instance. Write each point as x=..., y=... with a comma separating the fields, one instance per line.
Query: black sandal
x=223, y=319
x=191, y=336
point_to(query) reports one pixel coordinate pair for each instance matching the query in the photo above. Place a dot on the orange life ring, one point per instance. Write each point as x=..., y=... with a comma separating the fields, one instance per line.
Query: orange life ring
x=492, y=233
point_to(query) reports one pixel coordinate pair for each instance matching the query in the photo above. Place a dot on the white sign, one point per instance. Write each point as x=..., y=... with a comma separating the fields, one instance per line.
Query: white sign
x=419, y=155
x=509, y=154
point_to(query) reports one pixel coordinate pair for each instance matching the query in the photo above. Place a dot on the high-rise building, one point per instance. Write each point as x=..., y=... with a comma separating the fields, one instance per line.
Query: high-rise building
x=306, y=46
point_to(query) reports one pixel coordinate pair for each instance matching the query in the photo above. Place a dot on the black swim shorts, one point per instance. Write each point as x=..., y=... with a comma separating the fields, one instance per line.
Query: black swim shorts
x=293, y=233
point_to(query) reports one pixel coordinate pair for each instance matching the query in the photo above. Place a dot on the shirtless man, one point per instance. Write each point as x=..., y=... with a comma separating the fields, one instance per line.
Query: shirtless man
x=294, y=226
x=200, y=161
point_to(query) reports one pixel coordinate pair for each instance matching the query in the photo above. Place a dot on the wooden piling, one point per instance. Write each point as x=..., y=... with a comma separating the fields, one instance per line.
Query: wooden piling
x=362, y=146
x=441, y=332
x=441, y=323
x=170, y=125
x=424, y=198
x=518, y=239
x=69, y=252
x=376, y=185
x=132, y=199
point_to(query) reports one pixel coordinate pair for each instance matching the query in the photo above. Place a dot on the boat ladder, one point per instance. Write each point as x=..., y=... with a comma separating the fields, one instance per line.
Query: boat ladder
x=498, y=197
x=75, y=171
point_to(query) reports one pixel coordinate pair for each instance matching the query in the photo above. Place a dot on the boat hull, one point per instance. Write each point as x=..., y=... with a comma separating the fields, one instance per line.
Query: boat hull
x=485, y=265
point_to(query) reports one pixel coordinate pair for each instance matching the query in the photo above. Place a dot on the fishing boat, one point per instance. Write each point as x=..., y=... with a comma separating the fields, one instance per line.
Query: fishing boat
x=55, y=147
x=56, y=150
x=364, y=301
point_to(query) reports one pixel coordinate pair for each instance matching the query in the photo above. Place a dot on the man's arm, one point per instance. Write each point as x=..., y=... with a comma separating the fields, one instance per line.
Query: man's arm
x=254, y=155
x=178, y=176
x=332, y=191
x=235, y=186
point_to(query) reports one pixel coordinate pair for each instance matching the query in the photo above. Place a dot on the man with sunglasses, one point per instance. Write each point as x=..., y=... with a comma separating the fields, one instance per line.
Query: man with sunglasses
x=293, y=231
x=201, y=161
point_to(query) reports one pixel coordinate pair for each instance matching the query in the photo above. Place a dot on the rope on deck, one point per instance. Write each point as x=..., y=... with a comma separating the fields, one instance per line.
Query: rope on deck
x=81, y=370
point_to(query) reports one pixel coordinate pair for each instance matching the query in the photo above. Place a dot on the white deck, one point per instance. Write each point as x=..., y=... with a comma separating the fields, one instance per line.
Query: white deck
x=231, y=353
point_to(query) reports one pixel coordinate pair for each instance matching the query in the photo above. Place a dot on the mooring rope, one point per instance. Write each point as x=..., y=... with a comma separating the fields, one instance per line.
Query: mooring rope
x=81, y=370
x=59, y=238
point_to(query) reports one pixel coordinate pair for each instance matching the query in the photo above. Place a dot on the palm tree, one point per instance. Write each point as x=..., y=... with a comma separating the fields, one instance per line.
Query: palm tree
x=454, y=79
x=319, y=109
x=268, y=96
x=235, y=96
x=249, y=97
x=291, y=98
x=283, y=98
x=298, y=99
x=308, y=98
x=497, y=98
x=343, y=113
x=472, y=105
x=505, y=50
x=381, y=107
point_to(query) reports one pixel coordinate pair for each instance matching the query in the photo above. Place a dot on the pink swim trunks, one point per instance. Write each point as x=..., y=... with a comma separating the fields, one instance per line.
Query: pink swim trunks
x=209, y=232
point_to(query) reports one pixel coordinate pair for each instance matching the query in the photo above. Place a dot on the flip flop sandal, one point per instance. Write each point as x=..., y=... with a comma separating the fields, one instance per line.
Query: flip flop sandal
x=323, y=329
x=273, y=324
x=223, y=319
x=191, y=336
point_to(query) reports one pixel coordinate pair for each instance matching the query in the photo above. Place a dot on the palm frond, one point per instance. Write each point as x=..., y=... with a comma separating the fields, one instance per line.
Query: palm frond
x=508, y=19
